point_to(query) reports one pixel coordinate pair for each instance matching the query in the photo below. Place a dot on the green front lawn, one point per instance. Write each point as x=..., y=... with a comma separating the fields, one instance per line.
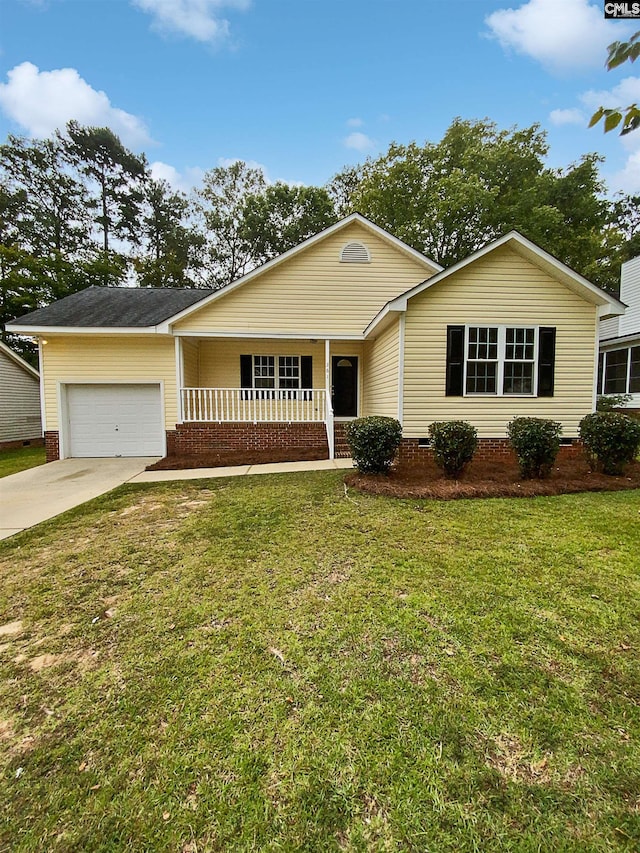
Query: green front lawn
x=269, y=663
x=19, y=459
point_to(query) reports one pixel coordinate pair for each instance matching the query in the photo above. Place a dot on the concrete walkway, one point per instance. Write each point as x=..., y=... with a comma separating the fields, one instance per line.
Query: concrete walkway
x=241, y=470
x=32, y=496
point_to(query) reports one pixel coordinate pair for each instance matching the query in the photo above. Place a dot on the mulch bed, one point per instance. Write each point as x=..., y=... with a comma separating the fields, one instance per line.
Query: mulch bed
x=223, y=459
x=485, y=479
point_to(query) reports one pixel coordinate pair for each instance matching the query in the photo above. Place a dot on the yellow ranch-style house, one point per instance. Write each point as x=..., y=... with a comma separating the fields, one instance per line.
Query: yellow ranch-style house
x=351, y=322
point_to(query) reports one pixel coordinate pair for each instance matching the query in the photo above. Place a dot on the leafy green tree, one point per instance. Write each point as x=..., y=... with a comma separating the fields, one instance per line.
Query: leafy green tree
x=618, y=53
x=281, y=216
x=447, y=199
x=342, y=187
x=115, y=178
x=172, y=248
x=20, y=282
x=221, y=203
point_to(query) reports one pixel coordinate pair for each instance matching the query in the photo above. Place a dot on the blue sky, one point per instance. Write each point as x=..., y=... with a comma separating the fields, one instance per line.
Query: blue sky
x=303, y=87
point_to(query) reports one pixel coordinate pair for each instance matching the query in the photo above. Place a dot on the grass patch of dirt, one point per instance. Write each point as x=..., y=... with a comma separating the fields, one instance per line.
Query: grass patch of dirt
x=499, y=478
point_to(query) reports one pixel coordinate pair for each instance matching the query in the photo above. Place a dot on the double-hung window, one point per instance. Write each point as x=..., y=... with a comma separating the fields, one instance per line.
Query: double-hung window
x=280, y=377
x=500, y=360
x=619, y=371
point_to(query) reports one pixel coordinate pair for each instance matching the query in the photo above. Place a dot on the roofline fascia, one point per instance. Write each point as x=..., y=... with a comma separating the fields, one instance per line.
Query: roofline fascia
x=292, y=336
x=41, y=331
x=603, y=298
x=310, y=241
x=384, y=312
x=19, y=360
x=620, y=339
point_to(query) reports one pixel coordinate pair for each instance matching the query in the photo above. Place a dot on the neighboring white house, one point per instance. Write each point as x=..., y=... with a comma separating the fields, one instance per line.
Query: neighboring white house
x=20, y=420
x=619, y=364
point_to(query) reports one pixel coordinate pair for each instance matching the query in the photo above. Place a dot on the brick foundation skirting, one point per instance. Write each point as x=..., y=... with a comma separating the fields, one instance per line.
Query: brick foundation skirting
x=52, y=445
x=195, y=439
x=22, y=442
x=410, y=453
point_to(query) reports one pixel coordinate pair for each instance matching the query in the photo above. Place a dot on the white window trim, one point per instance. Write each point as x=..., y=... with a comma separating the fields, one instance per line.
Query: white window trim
x=501, y=358
x=276, y=370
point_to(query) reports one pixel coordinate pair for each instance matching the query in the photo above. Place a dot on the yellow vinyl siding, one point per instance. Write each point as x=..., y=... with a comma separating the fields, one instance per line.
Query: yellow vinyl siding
x=95, y=358
x=380, y=374
x=501, y=288
x=190, y=362
x=220, y=358
x=313, y=293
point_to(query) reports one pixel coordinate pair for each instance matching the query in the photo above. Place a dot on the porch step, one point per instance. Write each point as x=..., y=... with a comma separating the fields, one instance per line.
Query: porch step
x=341, y=448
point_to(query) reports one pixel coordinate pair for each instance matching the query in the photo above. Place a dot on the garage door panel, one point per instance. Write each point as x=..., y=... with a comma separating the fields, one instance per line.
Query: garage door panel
x=115, y=420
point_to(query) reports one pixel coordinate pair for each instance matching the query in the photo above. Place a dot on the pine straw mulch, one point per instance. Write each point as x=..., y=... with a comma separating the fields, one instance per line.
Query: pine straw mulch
x=223, y=459
x=493, y=479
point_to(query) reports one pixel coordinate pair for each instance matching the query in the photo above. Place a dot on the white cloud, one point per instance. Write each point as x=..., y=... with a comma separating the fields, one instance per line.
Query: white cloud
x=355, y=122
x=198, y=19
x=184, y=181
x=560, y=34
x=359, y=141
x=571, y=116
x=42, y=101
x=628, y=179
x=626, y=92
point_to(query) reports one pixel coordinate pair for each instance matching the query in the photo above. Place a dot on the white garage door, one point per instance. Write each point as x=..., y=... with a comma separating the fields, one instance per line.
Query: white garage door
x=115, y=420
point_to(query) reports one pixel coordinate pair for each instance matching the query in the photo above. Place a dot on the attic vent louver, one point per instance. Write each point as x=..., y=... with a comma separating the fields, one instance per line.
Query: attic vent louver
x=355, y=253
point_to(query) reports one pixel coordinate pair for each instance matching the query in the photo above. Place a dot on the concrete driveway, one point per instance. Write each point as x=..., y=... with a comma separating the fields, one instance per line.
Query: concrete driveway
x=32, y=496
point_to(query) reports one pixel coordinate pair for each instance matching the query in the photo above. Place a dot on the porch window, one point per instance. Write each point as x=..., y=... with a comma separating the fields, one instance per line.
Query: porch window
x=264, y=371
x=289, y=371
x=276, y=377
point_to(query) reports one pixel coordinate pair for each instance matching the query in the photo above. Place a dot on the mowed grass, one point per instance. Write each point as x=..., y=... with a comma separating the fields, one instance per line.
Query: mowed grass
x=269, y=663
x=19, y=459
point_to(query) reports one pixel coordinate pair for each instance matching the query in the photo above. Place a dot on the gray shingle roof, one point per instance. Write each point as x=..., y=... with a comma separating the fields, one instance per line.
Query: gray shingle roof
x=115, y=307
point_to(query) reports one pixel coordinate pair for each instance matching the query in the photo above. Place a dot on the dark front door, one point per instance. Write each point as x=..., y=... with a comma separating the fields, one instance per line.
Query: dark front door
x=344, y=396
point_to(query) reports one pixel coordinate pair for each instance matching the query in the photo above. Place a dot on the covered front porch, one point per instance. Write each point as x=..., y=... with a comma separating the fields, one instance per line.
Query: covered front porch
x=261, y=394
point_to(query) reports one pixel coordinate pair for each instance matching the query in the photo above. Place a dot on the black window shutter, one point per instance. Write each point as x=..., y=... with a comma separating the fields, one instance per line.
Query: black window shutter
x=246, y=371
x=546, y=361
x=455, y=361
x=306, y=372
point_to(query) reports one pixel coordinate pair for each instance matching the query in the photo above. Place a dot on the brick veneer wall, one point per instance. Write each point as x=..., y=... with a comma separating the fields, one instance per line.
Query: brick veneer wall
x=52, y=446
x=194, y=439
x=488, y=449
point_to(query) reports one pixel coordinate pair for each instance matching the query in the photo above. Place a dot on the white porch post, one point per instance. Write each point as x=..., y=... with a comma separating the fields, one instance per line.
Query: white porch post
x=179, y=378
x=401, y=367
x=329, y=407
x=43, y=410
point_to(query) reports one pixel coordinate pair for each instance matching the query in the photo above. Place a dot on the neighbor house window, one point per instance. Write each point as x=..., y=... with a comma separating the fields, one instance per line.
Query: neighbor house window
x=619, y=371
x=500, y=361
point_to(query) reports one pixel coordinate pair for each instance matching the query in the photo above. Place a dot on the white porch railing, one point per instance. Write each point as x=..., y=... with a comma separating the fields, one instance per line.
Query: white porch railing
x=253, y=405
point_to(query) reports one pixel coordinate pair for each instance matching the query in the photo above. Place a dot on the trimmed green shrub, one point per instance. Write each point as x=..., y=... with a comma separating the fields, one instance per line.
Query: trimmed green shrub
x=453, y=444
x=610, y=402
x=536, y=442
x=373, y=443
x=612, y=440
